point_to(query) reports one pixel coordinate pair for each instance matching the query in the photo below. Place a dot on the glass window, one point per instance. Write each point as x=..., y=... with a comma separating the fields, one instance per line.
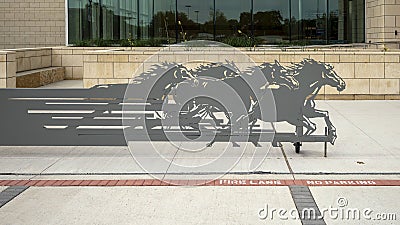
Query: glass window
x=145, y=9
x=354, y=20
x=77, y=12
x=163, y=22
x=83, y=18
x=196, y=18
x=108, y=14
x=233, y=18
x=335, y=15
x=309, y=21
x=127, y=18
x=271, y=21
x=94, y=13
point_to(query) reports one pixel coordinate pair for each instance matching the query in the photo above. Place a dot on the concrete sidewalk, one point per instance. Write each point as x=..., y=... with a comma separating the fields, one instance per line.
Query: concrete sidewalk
x=366, y=149
x=367, y=144
x=193, y=205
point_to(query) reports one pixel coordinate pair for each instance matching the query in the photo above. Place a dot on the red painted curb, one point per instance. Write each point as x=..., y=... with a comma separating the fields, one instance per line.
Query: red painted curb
x=220, y=182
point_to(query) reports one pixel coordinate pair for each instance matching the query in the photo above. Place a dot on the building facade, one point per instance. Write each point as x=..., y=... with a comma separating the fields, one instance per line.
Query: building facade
x=32, y=23
x=35, y=23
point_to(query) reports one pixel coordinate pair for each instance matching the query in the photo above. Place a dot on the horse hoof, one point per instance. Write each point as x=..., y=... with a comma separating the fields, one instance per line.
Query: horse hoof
x=333, y=140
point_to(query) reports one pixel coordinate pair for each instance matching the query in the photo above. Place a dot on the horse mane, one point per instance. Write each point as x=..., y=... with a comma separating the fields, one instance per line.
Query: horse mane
x=154, y=72
x=251, y=70
x=229, y=65
x=296, y=67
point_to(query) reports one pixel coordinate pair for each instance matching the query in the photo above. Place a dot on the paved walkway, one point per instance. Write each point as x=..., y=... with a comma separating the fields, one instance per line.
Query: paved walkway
x=361, y=172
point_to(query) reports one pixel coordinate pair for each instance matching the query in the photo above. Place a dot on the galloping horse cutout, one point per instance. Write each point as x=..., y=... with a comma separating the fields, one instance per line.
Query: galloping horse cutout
x=294, y=90
x=247, y=85
x=270, y=92
x=298, y=106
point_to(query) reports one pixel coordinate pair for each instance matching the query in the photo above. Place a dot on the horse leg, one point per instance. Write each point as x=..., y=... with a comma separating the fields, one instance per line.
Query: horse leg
x=229, y=118
x=314, y=113
x=252, y=124
x=211, y=114
x=209, y=145
x=305, y=122
x=309, y=125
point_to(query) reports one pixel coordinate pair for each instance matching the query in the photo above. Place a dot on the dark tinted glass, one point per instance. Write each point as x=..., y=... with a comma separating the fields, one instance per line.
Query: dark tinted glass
x=232, y=18
x=163, y=23
x=309, y=19
x=269, y=21
x=196, y=19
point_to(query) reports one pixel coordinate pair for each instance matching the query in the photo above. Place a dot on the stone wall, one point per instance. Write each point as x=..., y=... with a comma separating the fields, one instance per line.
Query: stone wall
x=112, y=67
x=32, y=23
x=368, y=74
x=31, y=59
x=383, y=18
x=8, y=68
x=72, y=60
x=16, y=61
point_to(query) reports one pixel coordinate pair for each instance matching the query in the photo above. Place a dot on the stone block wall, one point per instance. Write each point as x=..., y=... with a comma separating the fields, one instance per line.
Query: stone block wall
x=15, y=62
x=8, y=69
x=383, y=18
x=31, y=59
x=368, y=74
x=32, y=23
x=113, y=67
x=72, y=59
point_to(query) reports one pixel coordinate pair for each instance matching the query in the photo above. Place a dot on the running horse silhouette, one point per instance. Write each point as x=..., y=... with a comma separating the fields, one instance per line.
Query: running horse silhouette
x=297, y=106
x=208, y=79
x=160, y=79
x=294, y=97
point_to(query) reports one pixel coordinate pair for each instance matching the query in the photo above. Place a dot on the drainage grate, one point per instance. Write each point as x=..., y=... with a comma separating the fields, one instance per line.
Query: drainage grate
x=10, y=193
x=306, y=206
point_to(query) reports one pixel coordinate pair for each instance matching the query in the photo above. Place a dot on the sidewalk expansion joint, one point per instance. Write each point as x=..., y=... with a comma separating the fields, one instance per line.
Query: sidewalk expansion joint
x=306, y=206
x=287, y=161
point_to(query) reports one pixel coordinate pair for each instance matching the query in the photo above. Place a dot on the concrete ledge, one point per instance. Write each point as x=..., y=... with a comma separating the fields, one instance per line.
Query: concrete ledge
x=39, y=77
x=358, y=97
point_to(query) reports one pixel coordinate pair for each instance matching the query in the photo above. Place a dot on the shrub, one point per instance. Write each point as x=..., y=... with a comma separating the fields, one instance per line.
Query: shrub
x=241, y=41
x=119, y=43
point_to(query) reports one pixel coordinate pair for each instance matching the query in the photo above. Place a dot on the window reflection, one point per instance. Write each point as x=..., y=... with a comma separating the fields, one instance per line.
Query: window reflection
x=271, y=21
x=268, y=21
x=164, y=21
x=196, y=19
x=232, y=18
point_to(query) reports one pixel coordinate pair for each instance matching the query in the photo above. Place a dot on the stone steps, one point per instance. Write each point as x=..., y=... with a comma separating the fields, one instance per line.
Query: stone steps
x=39, y=77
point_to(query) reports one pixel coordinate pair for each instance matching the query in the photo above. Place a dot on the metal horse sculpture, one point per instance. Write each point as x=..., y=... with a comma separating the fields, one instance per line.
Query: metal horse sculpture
x=312, y=76
x=294, y=90
x=207, y=78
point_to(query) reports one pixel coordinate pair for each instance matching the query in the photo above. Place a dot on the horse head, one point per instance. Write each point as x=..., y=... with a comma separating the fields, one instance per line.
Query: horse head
x=331, y=78
x=182, y=73
x=317, y=74
x=279, y=75
x=164, y=78
x=283, y=76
